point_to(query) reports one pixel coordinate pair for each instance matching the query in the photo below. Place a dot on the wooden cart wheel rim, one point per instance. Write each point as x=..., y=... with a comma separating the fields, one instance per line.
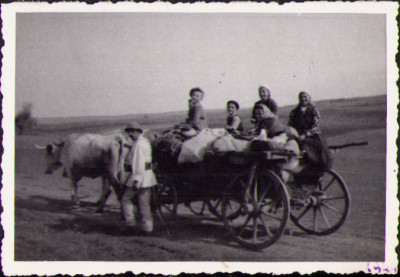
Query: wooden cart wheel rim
x=285, y=216
x=347, y=200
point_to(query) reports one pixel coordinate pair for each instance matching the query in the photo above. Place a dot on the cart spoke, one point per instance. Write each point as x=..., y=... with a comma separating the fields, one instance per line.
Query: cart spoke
x=243, y=185
x=315, y=220
x=229, y=205
x=263, y=205
x=255, y=188
x=332, y=208
x=251, y=199
x=329, y=184
x=334, y=198
x=266, y=228
x=263, y=194
x=203, y=206
x=304, y=212
x=272, y=216
x=254, y=229
x=218, y=203
x=244, y=225
x=324, y=217
x=266, y=203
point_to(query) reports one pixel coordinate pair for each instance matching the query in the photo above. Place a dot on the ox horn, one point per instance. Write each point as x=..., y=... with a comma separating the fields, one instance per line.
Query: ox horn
x=59, y=143
x=39, y=147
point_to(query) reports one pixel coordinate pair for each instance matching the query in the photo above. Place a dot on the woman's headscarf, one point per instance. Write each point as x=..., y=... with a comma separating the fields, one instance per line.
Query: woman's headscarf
x=310, y=102
x=265, y=88
x=266, y=111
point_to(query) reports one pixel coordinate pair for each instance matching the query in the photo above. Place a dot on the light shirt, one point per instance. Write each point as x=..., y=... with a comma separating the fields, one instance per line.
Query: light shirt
x=140, y=155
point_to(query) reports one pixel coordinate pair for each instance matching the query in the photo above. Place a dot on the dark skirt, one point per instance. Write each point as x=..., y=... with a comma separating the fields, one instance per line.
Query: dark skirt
x=317, y=151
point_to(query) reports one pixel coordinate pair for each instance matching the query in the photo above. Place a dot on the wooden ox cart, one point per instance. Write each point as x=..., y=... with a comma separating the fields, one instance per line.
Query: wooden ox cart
x=246, y=190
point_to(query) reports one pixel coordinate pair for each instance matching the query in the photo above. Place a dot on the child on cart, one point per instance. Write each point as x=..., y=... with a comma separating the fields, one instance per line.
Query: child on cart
x=277, y=133
x=233, y=122
x=196, y=119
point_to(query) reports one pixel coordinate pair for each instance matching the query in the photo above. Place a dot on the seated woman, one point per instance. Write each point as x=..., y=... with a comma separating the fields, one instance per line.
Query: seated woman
x=265, y=98
x=305, y=119
x=196, y=116
x=233, y=121
x=277, y=133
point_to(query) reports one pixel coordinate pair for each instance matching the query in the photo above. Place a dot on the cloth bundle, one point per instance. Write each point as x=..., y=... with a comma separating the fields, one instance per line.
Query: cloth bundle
x=194, y=150
x=171, y=143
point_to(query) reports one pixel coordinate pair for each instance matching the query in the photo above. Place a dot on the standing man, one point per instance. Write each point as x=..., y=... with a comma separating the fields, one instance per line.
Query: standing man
x=139, y=182
x=265, y=96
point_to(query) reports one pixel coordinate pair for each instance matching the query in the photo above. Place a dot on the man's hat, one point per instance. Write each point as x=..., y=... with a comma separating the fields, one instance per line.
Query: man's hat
x=133, y=126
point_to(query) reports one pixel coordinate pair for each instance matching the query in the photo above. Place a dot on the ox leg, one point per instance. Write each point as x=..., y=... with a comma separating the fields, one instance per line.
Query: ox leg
x=119, y=191
x=105, y=193
x=74, y=195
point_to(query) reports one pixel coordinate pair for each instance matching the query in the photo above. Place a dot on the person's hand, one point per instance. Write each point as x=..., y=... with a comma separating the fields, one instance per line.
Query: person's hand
x=235, y=131
x=135, y=185
x=177, y=126
x=253, y=132
x=132, y=184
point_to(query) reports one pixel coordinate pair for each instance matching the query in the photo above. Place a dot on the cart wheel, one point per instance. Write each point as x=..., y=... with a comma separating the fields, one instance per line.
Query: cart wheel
x=325, y=205
x=263, y=212
x=166, y=200
x=197, y=207
x=214, y=206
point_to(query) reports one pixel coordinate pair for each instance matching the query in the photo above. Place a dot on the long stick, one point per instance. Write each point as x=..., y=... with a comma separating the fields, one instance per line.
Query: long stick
x=336, y=147
x=158, y=211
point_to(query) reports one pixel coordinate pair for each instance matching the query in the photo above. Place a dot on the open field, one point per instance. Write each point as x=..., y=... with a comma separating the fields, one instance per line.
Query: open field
x=46, y=228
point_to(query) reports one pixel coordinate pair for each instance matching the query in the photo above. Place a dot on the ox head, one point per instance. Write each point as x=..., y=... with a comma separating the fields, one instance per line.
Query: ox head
x=152, y=137
x=52, y=156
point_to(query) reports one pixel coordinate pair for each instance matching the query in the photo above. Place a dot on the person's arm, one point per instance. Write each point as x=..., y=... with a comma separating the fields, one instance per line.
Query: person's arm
x=252, y=112
x=291, y=121
x=265, y=124
x=235, y=122
x=274, y=106
x=197, y=114
x=138, y=166
x=314, y=129
x=189, y=114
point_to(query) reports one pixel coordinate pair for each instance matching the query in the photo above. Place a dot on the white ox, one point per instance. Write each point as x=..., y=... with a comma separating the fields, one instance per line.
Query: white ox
x=89, y=155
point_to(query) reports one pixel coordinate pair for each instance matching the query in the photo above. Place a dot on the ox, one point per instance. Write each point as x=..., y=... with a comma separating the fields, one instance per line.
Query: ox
x=89, y=155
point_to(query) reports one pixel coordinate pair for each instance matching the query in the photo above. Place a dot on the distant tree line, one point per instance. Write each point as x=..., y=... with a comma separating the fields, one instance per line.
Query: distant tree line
x=24, y=119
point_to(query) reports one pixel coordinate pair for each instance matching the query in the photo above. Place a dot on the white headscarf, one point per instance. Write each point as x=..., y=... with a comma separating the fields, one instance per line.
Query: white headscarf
x=264, y=87
x=310, y=102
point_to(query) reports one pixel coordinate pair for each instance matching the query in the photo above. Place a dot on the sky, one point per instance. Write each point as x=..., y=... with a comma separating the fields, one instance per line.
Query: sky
x=85, y=64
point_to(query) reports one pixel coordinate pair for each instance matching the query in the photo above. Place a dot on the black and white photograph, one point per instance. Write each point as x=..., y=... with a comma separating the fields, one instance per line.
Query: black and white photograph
x=160, y=138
